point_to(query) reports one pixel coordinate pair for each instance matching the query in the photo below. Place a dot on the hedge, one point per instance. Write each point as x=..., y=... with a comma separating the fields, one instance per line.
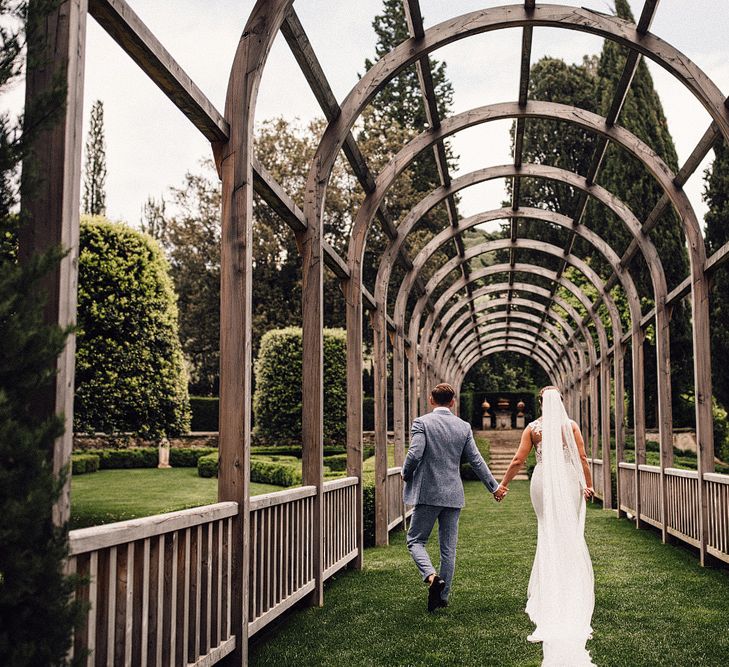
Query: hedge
x=84, y=463
x=207, y=466
x=204, y=413
x=130, y=370
x=146, y=457
x=337, y=462
x=277, y=399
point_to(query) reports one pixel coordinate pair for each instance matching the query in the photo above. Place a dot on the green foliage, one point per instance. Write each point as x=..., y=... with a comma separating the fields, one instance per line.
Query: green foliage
x=368, y=511
x=84, y=463
x=336, y=463
x=94, y=199
x=329, y=450
x=271, y=472
x=130, y=374
x=716, y=196
x=207, y=466
x=277, y=399
x=147, y=457
x=205, y=410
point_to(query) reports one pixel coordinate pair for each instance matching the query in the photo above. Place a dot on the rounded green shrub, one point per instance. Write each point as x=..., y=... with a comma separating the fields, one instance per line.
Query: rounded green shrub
x=130, y=373
x=207, y=466
x=277, y=400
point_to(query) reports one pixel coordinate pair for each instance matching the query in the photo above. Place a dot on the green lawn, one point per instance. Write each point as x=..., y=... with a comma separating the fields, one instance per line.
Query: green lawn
x=654, y=604
x=116, y=495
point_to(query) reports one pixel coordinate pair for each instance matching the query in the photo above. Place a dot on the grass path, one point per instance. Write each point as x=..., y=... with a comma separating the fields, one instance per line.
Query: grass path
x=654, y=604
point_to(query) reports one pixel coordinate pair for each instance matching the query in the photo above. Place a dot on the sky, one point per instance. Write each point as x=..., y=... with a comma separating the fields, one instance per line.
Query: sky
x=150, y=144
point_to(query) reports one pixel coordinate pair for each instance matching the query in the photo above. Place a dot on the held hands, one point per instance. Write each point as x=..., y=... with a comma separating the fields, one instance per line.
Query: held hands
x=500, y=493
x=588, y=492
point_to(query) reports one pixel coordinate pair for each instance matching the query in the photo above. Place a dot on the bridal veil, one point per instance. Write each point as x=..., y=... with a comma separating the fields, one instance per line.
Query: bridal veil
x=561, y=587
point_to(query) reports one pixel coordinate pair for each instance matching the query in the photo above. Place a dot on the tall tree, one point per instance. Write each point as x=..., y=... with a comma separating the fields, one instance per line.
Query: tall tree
x=36, y=612
x=628, y=179
x=398, y=110
x=716, y=195
x=94, y=198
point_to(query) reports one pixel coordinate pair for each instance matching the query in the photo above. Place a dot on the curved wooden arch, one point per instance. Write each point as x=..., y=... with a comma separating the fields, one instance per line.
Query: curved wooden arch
x=529, y=288
x=577, y=362
x=497, y=269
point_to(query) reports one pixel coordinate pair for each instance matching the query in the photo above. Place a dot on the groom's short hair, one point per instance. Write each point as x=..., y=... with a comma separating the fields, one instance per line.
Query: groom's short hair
x=443, y=393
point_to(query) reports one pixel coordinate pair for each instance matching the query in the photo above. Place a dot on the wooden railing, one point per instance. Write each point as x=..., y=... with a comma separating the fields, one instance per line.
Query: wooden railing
x=281, y=563
x=650, y=495
x=340, y=521
x=397, y=512
x=157, y=588
x=626, y=491
x=682, y=498
x=717, y=492
x=597, y=477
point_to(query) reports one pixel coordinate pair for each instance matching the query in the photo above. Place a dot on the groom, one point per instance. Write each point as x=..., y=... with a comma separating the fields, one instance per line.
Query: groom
x=433, y=485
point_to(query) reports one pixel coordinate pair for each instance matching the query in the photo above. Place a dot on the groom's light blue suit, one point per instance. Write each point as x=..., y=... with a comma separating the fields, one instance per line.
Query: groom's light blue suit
x=438, y=442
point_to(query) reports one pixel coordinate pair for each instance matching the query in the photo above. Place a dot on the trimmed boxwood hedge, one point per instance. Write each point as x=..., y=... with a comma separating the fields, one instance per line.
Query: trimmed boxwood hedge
x=84, y=463
x=146, y=457
x=278, y=473
x=337, y=462
x=277, y=399
x=130, y=370
x=207, y=466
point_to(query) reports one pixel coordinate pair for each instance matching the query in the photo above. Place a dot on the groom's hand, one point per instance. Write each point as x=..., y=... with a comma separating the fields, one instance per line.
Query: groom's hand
x=500, y=493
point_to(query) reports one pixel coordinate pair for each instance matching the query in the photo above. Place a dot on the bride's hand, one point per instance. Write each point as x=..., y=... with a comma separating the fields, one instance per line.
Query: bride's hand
x=588, y=491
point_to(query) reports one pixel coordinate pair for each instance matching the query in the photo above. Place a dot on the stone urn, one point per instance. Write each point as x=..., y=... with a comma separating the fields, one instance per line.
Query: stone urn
x=485, y=417
x=503, y=414
x=520, y=419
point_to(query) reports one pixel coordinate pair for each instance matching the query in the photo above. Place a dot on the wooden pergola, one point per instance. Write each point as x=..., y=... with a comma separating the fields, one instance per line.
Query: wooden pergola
x=256, y=557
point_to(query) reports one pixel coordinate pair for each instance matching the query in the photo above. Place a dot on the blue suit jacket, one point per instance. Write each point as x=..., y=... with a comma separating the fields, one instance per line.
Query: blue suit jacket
x=432, y=468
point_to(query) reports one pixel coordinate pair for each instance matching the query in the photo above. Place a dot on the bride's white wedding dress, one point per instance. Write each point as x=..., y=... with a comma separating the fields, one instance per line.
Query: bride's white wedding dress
x=561, y=586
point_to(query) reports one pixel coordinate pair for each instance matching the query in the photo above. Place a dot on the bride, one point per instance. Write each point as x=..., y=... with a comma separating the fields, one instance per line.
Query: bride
x=561, y=595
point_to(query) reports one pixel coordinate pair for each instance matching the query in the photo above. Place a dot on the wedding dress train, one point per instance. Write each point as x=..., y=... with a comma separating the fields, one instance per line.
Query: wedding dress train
x=561, y=596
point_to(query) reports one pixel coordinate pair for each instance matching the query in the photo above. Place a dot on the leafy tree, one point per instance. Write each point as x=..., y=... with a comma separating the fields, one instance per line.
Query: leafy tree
x=716, y=195
x=94, y=200
x=401, y=103
x=37, y=615
x=277, y=399
x=153, y=221
x=191, y=238
x=130, y=373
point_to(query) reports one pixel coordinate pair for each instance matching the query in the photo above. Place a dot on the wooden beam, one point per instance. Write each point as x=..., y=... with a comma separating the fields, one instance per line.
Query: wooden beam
x=50, y=200
x=128, y=30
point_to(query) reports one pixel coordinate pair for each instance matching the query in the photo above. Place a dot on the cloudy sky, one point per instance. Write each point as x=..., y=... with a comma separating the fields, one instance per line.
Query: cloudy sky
x=150, y=144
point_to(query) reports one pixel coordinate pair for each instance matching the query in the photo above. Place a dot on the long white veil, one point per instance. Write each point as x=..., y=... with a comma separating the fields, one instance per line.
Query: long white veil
x=561, y=588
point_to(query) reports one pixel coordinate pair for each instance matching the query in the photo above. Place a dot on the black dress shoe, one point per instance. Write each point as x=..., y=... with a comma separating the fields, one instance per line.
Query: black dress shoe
x=434, y=591
x=443, y=603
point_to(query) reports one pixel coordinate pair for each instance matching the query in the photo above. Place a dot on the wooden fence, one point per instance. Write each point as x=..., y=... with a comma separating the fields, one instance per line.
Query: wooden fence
x=682, y=500
x=397, y=511
x=159, y=587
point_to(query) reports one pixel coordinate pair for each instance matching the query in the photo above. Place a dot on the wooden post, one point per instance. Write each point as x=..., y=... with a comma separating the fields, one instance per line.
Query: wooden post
x=638, y=411
x=607, y=493
x=312, y=383
x=619, y=382
x=665, y=412
x=50, y=201
x=398, y=404
x=594, y=414
x=379, y=359
x=702, y=386
x=236, y=275
x=353, y=295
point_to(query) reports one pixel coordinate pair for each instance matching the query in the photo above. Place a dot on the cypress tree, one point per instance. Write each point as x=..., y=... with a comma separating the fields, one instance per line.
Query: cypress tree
x=628, y=179
x=36, y=612
x=716, y=195
x=94, y=199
